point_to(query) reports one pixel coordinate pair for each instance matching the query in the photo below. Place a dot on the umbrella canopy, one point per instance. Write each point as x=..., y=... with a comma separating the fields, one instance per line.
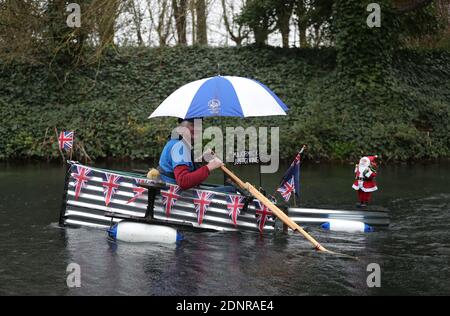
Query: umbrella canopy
x=221, y=96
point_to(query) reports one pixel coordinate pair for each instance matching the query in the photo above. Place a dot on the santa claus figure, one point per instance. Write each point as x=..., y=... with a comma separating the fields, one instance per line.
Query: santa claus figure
x=365, y=179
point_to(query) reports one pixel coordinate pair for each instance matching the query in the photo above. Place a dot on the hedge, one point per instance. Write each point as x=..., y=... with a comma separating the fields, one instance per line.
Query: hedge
x=108, y=103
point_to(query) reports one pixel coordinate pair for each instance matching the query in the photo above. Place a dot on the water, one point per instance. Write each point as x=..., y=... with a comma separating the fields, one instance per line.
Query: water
x=414, y=253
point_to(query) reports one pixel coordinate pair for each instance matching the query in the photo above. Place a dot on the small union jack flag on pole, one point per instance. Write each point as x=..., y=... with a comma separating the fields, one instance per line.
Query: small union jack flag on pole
x=234, y=207
x=81, y=179
x=201, y=203
x=137, y=190
x=287, y=188
x=65, y=140
x=110, y=187
x=170, y=197
x=262, y=214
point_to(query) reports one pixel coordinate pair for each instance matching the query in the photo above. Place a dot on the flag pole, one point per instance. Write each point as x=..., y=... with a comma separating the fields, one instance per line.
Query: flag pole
x=73, y=145
x=295, y=193
x=303, y=149
x=59, y=147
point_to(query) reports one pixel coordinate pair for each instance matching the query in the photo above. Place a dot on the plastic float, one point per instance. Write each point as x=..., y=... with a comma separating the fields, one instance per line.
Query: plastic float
x=347, y=226
x=139, y=233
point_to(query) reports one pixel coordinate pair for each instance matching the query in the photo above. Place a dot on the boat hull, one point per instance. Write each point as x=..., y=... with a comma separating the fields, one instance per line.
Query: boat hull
x=89, y=207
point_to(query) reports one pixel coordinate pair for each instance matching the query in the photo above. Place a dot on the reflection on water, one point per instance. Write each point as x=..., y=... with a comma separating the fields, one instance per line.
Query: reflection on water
x=413, y=253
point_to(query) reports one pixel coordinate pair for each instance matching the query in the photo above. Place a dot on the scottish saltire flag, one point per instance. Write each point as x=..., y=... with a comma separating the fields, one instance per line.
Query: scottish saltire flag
x=110, y=187
x=202, y=201
x=170, y=197
x=81, y=178
x=65, y=140
x=137, y=190
x=234, y=205
x=291, y=180
x=262, y=214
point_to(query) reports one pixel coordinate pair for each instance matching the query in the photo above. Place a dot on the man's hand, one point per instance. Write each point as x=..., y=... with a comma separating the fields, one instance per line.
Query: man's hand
x=214, y=164
x=208, y=155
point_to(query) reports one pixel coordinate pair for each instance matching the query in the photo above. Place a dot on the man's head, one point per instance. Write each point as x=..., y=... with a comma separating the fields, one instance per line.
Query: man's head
x=180, y=120
x=186, y=128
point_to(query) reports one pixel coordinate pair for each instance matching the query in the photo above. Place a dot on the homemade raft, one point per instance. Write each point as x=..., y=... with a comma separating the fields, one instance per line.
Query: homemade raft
x=99, y=198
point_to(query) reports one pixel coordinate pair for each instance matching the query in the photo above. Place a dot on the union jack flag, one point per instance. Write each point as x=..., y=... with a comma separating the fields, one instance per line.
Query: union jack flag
x=170, y=197
x=287, y=188
x=201, y=203
x=65, y=140
x=262, y=214
x=234, y=207
x=138, y=190
x=110, y=187
x=81, y=179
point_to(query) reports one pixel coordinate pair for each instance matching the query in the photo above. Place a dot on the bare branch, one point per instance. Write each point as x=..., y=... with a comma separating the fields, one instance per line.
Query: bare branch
x=241, y=32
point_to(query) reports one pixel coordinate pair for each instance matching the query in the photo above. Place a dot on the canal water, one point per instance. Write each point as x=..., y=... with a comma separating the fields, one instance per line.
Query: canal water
x=413, y=253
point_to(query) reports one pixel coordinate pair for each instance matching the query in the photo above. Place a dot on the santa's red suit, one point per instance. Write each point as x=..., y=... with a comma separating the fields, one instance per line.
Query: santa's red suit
x=365, y=179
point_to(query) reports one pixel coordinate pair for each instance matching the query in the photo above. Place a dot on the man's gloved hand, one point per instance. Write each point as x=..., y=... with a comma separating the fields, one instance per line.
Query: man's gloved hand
x=215, y=163
x=208, y=155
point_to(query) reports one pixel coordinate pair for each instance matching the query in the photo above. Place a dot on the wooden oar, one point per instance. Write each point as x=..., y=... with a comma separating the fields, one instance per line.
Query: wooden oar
x=275, y=210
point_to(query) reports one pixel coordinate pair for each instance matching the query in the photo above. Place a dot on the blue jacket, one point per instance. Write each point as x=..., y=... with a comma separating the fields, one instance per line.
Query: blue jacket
x=175, y=153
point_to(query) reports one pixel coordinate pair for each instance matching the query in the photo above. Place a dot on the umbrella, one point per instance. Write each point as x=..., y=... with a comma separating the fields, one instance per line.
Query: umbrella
x=221, y=96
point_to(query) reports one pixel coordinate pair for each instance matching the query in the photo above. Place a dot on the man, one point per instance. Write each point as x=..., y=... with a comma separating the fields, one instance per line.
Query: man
x=364, y=183
x=176, y=164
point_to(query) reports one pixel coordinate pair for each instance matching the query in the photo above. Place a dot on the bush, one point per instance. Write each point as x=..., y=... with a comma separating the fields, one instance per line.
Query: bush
x=108, y=104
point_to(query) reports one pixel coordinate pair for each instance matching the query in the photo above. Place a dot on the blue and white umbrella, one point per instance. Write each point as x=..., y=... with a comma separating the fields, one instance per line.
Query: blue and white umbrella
x=221, y=96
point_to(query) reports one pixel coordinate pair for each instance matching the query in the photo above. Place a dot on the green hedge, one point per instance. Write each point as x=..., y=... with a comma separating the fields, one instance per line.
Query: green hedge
x=108, y=104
